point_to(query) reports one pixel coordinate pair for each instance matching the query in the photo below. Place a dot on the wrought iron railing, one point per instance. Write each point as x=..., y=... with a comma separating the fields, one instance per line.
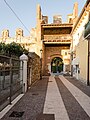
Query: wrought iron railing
x=10, y=82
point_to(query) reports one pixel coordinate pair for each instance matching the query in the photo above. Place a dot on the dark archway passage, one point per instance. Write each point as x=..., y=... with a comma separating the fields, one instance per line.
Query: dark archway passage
x=56, y=65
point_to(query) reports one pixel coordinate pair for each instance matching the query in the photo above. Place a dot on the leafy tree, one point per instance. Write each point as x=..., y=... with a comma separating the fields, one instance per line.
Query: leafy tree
x=12, y=49
x=2, y=48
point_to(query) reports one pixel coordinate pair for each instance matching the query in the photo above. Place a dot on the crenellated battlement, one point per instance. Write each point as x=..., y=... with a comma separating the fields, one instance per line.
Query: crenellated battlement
x=18, y=33
x=5, y=34
x=29, y=42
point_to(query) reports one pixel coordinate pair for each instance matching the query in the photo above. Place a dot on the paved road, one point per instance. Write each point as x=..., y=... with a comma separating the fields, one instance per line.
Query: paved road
x=53, y=98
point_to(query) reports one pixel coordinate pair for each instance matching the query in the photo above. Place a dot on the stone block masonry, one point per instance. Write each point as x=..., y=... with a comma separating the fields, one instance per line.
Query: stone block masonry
x=33, y=68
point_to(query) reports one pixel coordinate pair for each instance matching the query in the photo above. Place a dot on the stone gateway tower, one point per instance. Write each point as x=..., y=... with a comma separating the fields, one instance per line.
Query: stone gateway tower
x=55, y=42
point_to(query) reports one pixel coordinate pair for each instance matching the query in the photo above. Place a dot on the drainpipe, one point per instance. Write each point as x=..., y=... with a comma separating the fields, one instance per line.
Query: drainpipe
x=71, y=64
x=88, y=66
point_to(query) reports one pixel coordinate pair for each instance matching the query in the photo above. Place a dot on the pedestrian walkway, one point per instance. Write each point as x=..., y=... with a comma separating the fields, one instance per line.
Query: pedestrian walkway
x=54, y=103
x=81, y=98
x=53, y=98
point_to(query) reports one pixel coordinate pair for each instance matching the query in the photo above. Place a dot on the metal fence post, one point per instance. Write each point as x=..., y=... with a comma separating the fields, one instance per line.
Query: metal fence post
x=10, y=80
x=3, y=82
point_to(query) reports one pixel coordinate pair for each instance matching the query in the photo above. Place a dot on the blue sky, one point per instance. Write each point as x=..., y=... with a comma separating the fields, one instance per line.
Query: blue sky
x=26, y=10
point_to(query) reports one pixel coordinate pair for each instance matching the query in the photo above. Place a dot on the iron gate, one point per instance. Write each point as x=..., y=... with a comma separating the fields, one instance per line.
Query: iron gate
x=10, y=81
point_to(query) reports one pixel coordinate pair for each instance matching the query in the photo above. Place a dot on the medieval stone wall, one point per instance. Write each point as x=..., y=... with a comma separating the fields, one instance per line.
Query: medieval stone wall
x=33, y=68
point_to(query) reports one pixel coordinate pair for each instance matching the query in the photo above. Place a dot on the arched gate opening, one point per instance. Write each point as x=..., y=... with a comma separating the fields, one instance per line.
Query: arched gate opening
x=56, y=65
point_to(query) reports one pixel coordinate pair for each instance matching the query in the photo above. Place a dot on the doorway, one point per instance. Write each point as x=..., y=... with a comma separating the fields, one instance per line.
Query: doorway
x=56, y=65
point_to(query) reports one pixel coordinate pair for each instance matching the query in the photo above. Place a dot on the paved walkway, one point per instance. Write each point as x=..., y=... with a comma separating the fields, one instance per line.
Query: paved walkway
x=53, y=98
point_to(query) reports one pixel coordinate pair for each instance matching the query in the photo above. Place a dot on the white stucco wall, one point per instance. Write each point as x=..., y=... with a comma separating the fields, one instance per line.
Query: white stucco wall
x=80, y=45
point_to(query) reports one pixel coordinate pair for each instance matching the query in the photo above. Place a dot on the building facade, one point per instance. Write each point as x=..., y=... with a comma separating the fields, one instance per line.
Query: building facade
x=55, y=40
x=80, y=45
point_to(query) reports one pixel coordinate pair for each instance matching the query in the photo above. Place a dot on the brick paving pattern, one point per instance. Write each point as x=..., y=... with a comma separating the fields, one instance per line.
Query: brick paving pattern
x=66, y=92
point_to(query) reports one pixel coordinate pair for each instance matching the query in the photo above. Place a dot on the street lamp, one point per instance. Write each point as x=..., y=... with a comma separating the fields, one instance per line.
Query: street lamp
x=41, y=52
x=41, y=64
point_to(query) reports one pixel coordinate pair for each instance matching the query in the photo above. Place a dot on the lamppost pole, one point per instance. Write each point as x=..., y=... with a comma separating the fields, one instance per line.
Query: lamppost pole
x=41, y=64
